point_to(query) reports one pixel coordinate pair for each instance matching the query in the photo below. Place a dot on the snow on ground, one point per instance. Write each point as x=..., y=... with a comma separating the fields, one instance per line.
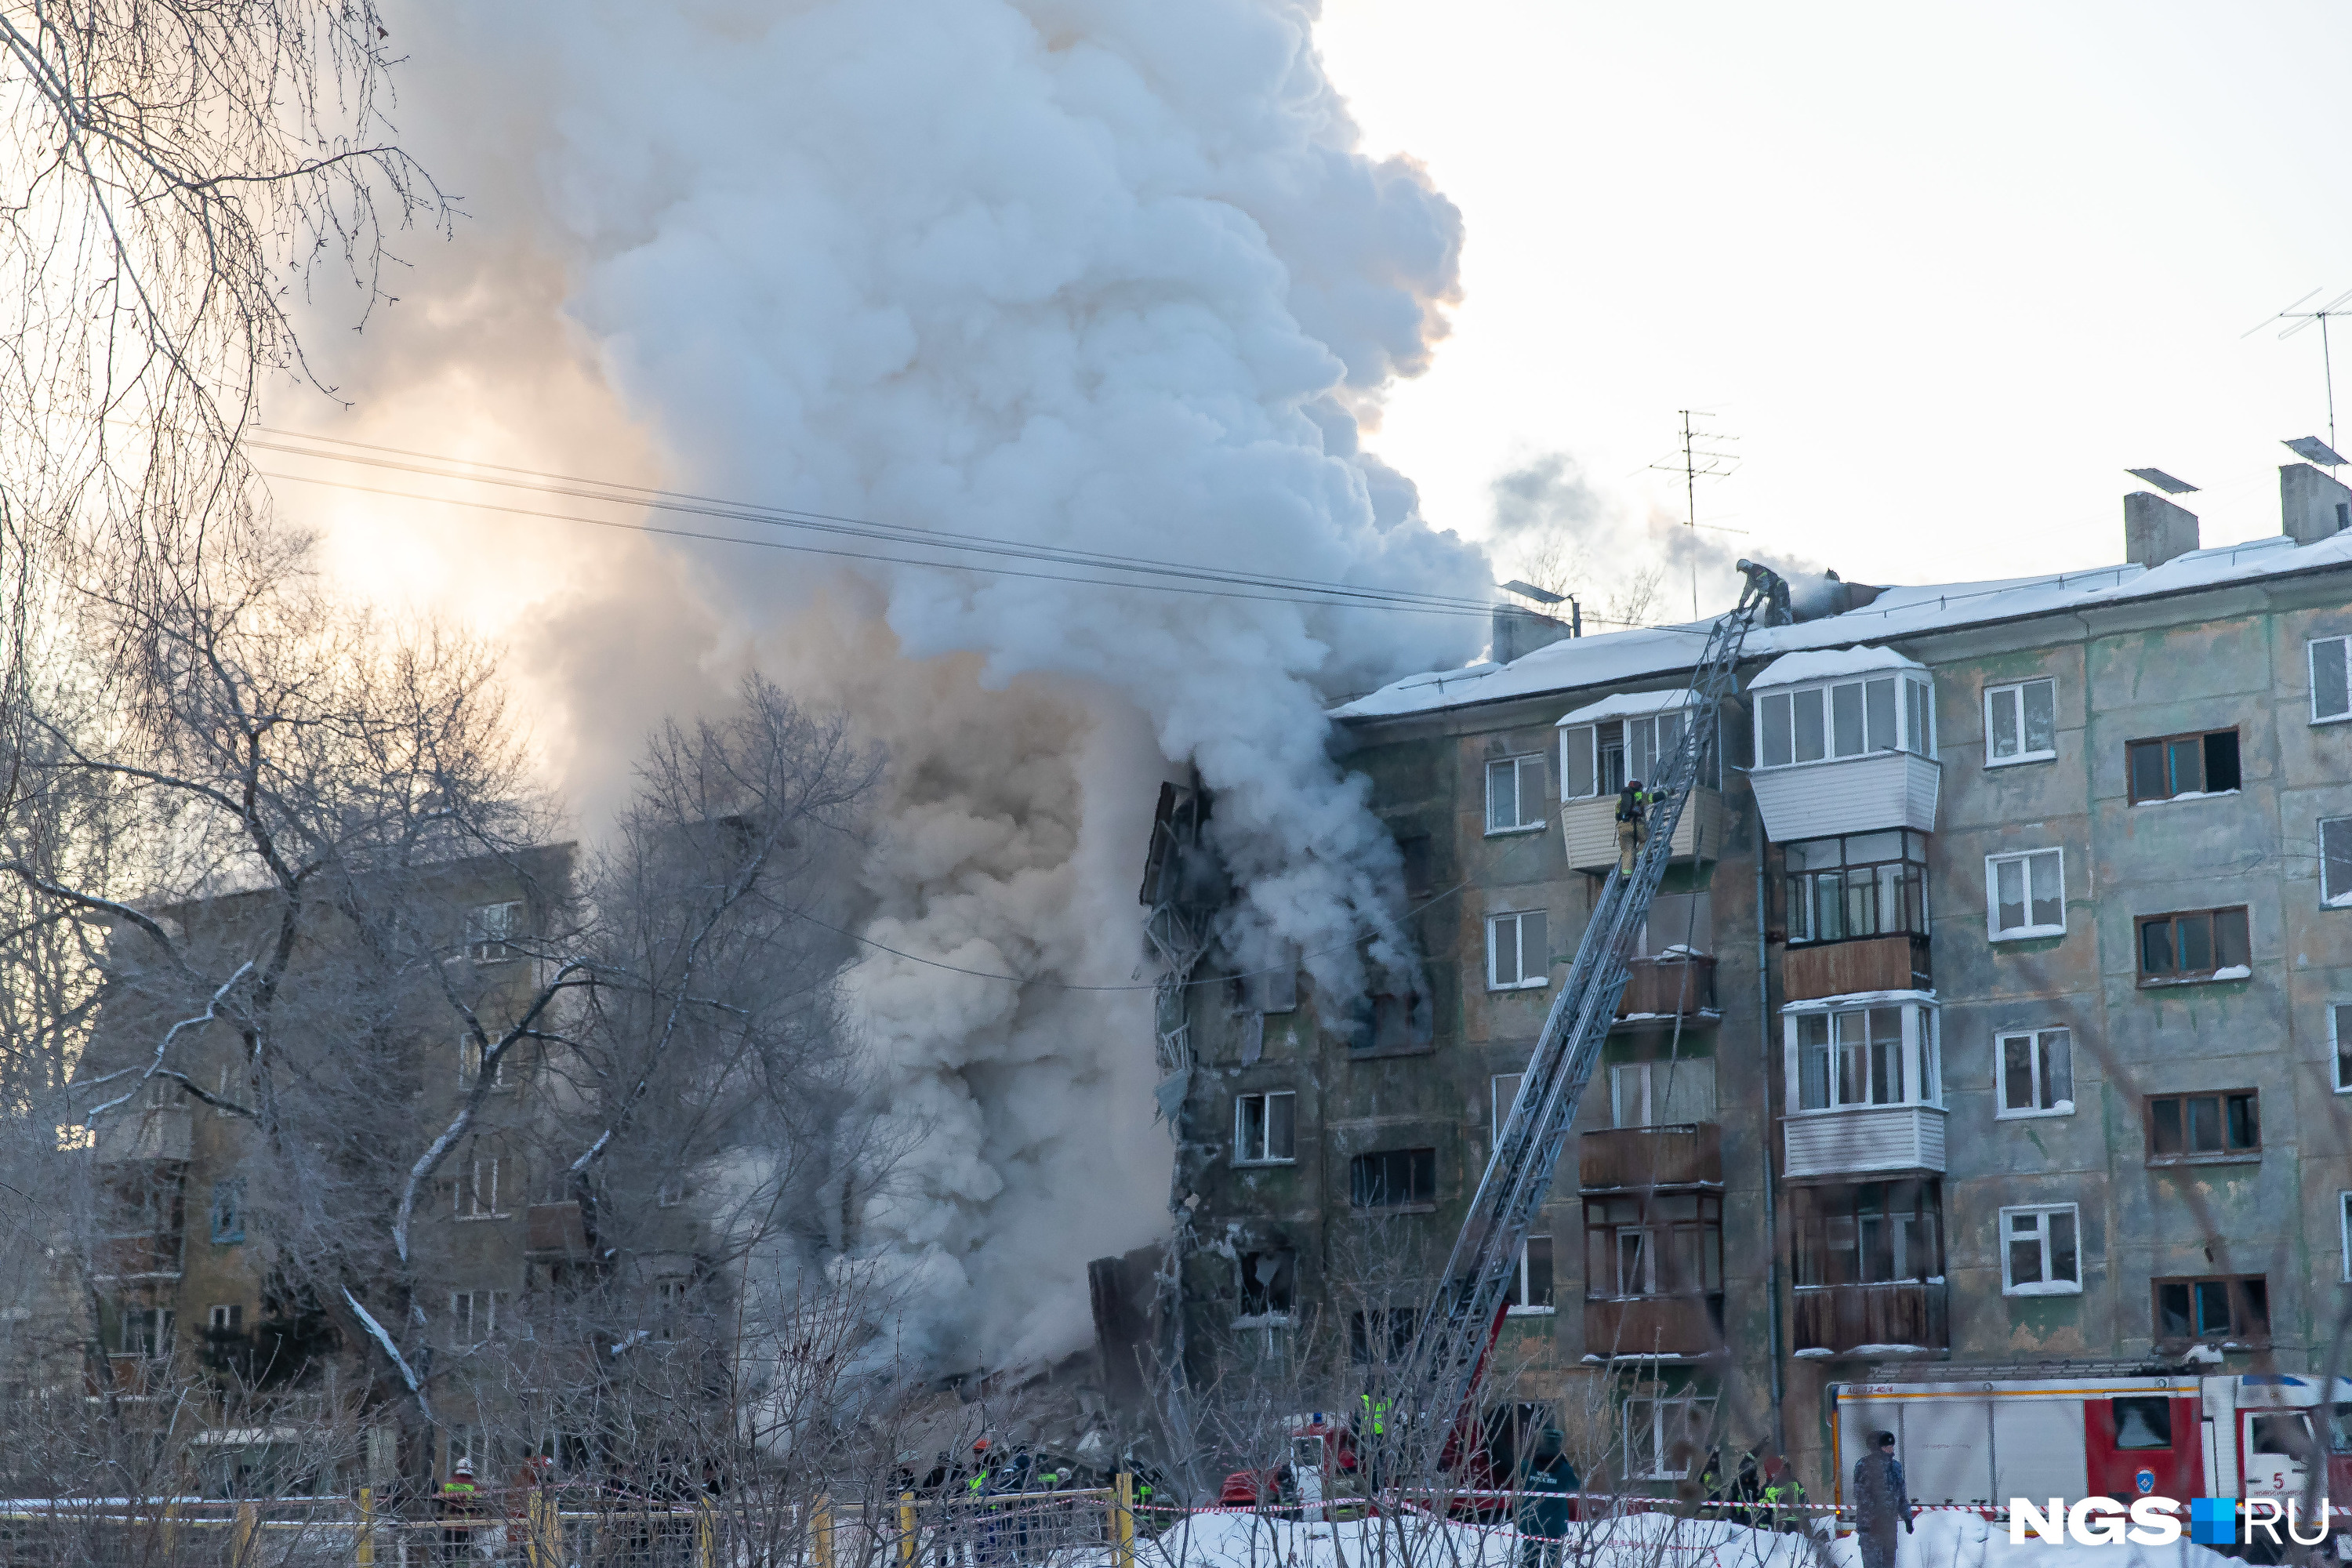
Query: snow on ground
x=1943, y=1540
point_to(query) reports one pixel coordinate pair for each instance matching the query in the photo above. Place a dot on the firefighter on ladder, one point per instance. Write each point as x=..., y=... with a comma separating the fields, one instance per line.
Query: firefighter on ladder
x=1633, y=822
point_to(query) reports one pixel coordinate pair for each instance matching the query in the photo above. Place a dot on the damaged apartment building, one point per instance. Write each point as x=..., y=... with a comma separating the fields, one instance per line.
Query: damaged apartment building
x=1997, y=1010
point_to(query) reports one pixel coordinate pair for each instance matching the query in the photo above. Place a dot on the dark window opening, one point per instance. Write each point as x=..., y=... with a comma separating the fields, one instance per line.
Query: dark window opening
x=2197, y=944
x=1267, y=1282
x=2177, y=766
x=2186, y=1127
x=1392, y=1178
x=2221, y=1307
x=1382, y=1334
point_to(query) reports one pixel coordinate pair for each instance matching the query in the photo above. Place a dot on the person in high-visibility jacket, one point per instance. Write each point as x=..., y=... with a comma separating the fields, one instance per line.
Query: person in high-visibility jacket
x=459, y=1502
x=1633, y=822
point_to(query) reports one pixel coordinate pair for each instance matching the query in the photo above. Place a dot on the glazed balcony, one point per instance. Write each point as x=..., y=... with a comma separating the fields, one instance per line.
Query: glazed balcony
x=1588, y=829
x=1862, y=1140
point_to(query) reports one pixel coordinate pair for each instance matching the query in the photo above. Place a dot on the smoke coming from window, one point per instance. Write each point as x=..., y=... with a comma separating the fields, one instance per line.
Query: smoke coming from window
x=1079, y=272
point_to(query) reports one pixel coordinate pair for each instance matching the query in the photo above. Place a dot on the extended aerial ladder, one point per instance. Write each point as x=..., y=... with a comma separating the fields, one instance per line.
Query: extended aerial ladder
x=1450, y=1350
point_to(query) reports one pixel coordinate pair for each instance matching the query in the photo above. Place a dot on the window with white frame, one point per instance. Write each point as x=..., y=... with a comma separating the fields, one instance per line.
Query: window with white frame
x=2336, y=863
x=491, y=930
x=2025, y=894
x=2037, y=1072
x=2344, y=1230
x=2340, y=1035
x=2331, y=679
x=1530, y=1286
x=1840, y=1059
x=477, y=1187
x=1602, y=757
x=2021, y=722
x=673, y=1299
x=670, y=1191
x=1845, y=719
x=2040, y=1251
x=1665, y=1439
x=1515, y=795
x=474, y=1316
x=469, y=1064
x=1266, y=1129
x=1516, y=951
x=1654, y=1094
x=1504, y=1090
x=143, y=1331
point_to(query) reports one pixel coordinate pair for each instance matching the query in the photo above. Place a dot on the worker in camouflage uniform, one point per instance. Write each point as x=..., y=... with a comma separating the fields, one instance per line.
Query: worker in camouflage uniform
x=1880, y=1501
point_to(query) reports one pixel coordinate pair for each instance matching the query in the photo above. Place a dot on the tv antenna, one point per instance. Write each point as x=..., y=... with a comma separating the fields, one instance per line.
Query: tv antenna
x=1695, y=463
x=2301, y=319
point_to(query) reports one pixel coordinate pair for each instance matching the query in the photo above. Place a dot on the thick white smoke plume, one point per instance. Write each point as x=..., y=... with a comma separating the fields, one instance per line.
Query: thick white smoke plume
x=1104, y=273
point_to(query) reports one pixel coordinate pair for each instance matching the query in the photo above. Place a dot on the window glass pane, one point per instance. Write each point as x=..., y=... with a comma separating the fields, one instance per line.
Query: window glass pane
x=2212, y=1306
x=2335, y=860
x=1772, y=746
x=1502, y=948
x=2164, y=1126
x=2184, y=766
x=1669, y=742
x=1886, y=1073
x=2156, y=947
x=2049, y=892
x=2145, y=761
x=2331, y=695
x=1502, y=796
x=1531, y=791
x=2204, y=1123
x=1852, y=1060
x=1811, y=742
x=1611, y=740
x=2172, y=1320
x=2009, y=895
x=2062, y=1265
x=1538, y=1271
x=1863, y=847
x=1921, y=718
x=2229, y=945
x=1577, y=748
x=2040, y=704
x=1879, y=714
x=1506, y=1090
x=1253, y=1126
x=2143, y=1423
x=1846, y=709
x=2017, y=1072
x=1534, y=962
x=2001, y=721
x=2025, y=1250
x=1281, y=1126
x=2193, y=937
x=1641, y=750
x=1812, y=1063
x=2057, y=1069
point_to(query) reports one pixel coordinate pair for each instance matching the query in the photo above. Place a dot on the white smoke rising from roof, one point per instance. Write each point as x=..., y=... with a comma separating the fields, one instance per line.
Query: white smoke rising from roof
x=1095, y=272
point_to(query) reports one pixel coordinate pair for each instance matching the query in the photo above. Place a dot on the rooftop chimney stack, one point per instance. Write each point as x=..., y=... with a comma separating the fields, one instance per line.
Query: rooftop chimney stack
x=1518, y=632
x=2311, y=505
x=2155, y=531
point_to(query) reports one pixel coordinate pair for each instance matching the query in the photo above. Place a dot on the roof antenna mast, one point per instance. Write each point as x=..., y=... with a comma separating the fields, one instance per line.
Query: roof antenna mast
x=2299, y=318
x=1695, y=464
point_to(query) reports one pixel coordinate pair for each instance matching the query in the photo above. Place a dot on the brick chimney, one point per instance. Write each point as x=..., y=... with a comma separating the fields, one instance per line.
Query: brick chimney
x=2155, y=531
x=2311, y=505
x=1521, y=631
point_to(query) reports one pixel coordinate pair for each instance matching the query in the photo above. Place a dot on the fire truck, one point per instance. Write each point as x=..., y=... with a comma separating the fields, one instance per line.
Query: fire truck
x=2137, y=1433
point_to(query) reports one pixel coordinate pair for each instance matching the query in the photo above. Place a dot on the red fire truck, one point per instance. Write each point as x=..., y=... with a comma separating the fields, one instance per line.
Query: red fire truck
x=1984, y=1441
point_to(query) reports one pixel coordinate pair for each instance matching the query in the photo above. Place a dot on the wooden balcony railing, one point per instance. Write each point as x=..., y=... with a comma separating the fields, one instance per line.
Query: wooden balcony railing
x=555, y=1230
x=1668, y=987
x=1850, y=968
x=1676, y=1155
x=1876, y=1319
x=1621, y=1326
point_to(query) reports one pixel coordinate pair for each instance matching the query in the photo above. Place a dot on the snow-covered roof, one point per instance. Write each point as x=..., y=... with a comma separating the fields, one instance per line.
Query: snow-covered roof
x=1827, y=664
x=1632, y=705
x=1629, y=658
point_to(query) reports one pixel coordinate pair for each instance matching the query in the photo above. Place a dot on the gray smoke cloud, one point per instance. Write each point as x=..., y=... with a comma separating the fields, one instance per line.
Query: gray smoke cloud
x=1086, y=272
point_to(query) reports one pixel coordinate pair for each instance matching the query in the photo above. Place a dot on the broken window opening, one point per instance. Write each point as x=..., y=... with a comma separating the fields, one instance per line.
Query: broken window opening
x=2182, y=767
x=2194, y=944
x=1393, y=1178
x=1266, y=1129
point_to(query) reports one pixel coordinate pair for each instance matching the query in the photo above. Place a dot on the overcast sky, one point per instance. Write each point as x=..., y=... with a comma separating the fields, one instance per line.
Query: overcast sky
x=1944, y=270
